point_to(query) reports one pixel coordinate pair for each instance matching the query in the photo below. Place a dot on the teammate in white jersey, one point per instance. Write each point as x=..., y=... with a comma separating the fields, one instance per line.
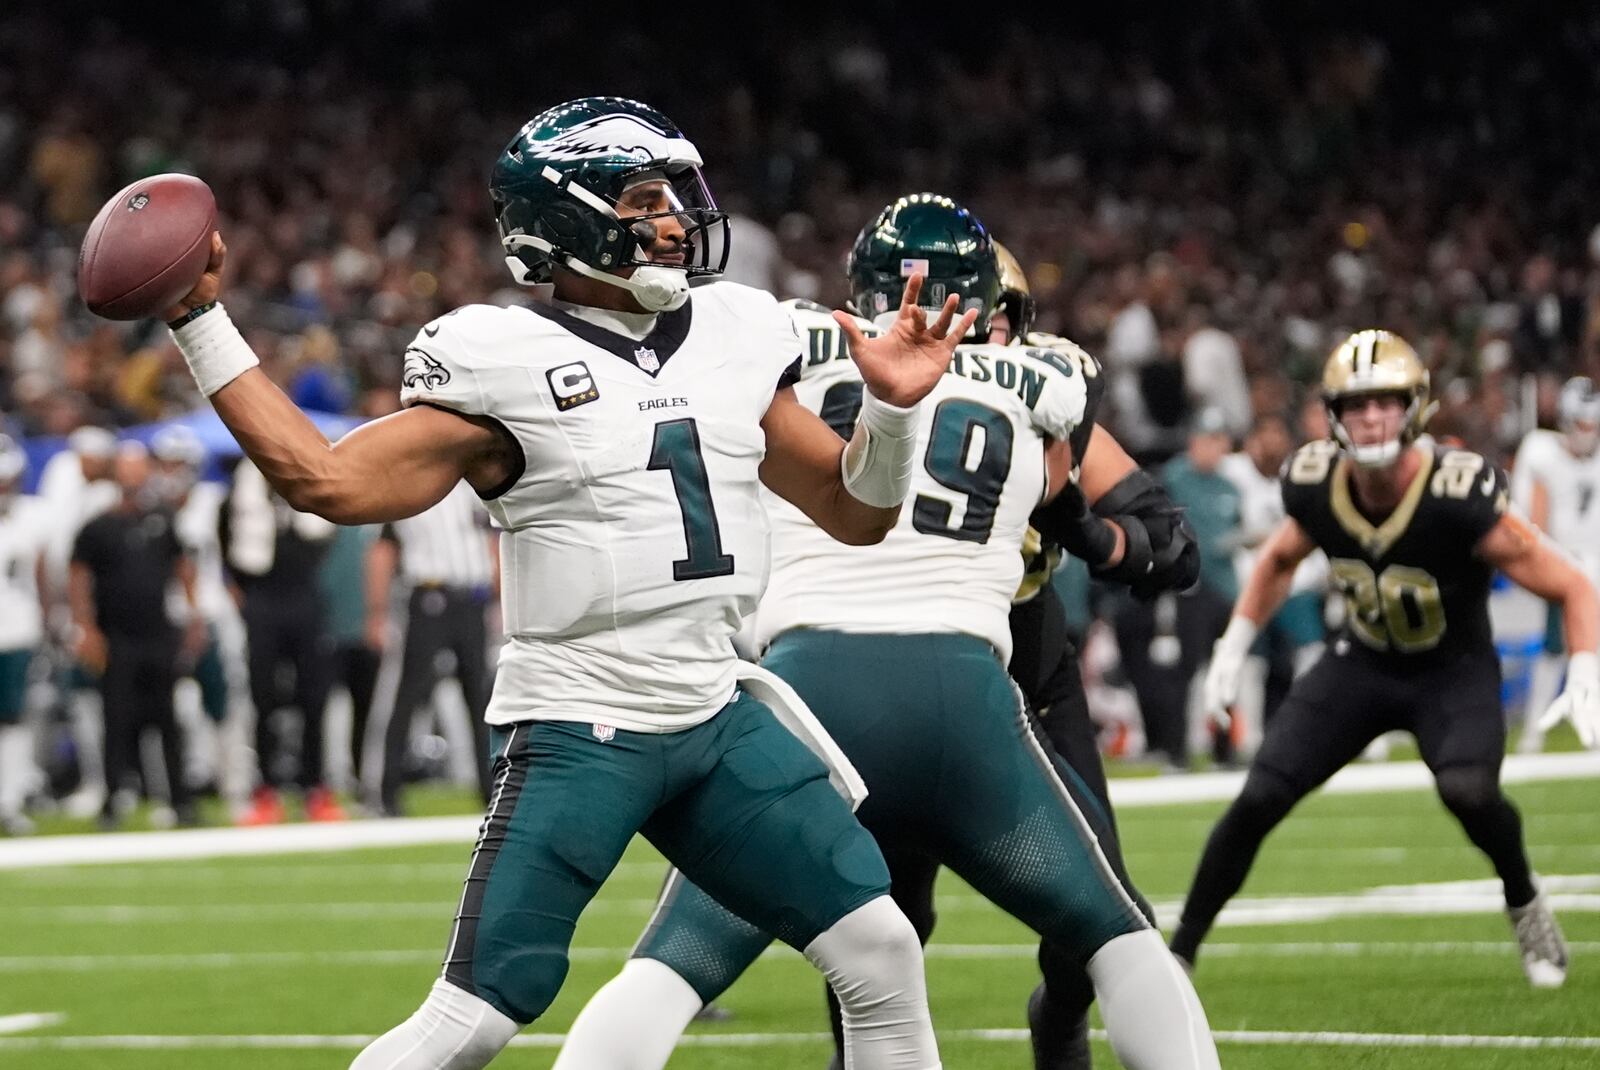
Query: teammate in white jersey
x=1555, y=480
x=900, y=648
x=620, y=435
x=76, y=486
x=26, y=528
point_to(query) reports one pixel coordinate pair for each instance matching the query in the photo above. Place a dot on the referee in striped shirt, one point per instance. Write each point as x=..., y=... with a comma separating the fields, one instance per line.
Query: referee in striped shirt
x=447, y=558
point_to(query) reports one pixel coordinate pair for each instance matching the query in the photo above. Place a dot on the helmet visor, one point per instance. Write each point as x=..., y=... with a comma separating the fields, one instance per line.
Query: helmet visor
x=654, y=195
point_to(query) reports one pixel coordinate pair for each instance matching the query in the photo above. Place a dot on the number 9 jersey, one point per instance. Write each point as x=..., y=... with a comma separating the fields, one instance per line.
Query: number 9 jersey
x=1416, y=594
x=953, y=561
x=634, y=539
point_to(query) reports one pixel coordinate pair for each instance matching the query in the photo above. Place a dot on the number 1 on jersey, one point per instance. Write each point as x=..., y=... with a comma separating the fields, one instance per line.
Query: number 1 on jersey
x=677, y=449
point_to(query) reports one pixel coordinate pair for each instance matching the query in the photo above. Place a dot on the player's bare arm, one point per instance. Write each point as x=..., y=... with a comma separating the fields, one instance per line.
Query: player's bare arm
x=1269, y=581
x=1539, y=505
x=1515, y=547
x=1103, y=465
x=853, y=490
x=389, y=469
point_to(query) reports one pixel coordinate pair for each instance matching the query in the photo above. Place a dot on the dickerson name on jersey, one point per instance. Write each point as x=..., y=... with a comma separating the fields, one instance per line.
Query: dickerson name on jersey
x=825, y=344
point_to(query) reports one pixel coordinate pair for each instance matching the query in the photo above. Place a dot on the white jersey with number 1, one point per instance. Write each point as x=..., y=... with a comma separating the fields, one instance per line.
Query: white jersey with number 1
x=953, y=561
x=634, y=539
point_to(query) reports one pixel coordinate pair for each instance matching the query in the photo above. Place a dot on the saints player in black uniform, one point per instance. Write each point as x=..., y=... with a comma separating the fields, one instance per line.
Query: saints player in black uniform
x=1413, y=533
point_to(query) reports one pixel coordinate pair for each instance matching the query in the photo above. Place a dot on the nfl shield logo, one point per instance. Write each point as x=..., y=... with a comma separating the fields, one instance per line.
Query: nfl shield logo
x=647, y=359
x=604, y=733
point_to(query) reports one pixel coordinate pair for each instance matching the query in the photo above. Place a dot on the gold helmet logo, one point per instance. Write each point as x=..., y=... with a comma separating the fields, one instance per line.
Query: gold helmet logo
x=1376, y=362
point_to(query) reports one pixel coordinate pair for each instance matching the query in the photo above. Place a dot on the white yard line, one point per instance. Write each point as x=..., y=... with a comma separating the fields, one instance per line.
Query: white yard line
x=429, y=956
x=26, y=1023
x=412, y=832
x=312, y=869
x=346, y=1041
x=1577, y=893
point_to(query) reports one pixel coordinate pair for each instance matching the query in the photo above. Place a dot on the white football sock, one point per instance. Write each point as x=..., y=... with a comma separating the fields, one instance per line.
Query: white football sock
x=450, y=1031
x=873, y=960
x=1153, y=1017
x=89, y=733
x=633, y=1022
x=16, y=768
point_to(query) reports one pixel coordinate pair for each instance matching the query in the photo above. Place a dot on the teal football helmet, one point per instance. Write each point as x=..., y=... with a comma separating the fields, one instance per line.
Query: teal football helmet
x=556, y=188
x=926, y=234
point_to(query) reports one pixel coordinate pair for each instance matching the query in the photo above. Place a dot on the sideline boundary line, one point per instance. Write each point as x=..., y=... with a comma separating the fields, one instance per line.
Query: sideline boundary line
x=350, y=1041
x=102, y=848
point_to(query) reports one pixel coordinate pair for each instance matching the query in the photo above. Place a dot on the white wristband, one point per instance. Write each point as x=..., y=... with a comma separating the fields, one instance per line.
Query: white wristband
x=879, y=458
x=1240, y=634
x=1583, y=668
x=217, y=353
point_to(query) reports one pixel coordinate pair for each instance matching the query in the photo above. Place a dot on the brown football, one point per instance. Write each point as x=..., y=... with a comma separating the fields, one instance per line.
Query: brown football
x=147, y=248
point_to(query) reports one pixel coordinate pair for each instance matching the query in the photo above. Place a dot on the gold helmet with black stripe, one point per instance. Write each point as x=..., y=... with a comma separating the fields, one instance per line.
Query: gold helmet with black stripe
x=1016, y=298
x=1376, y=362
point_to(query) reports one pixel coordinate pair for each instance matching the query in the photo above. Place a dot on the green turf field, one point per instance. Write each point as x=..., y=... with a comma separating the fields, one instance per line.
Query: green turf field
x=289, y=961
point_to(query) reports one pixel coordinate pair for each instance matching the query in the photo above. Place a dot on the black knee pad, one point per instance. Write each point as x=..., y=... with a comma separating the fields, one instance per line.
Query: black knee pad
x=1067, y=986
x=911, y=880
x=1469, y=788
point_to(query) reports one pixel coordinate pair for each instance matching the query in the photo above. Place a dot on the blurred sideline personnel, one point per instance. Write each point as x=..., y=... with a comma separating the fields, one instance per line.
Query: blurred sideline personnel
x=1555, y=480
x=273, y=552
x=447, y=558
x=1413, y=534
x=123, y=563
x=343, y=583
x=1164, y=644
x=26, y=529
x=1292, y=641
x=901, y=649
x=213, y=711
x=620, y=434
x=75, y=487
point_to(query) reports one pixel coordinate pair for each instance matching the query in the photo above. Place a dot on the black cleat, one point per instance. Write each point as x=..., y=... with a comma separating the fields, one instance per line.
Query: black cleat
x=1057, y=1044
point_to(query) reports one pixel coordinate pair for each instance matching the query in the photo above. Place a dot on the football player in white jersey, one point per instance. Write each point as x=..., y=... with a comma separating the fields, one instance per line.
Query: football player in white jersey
x=26, y=528
x=1045, y=664
x=1555, y=480
x=900, y=649
x=619, y=435
x=76, y=486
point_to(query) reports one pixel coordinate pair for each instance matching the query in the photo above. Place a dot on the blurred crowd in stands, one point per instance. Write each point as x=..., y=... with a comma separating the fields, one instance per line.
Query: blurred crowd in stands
x=1206, y=200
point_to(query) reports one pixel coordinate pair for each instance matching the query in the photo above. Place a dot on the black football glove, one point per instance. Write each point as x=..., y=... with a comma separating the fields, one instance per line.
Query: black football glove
x=1068, y=521
x=1162, y=552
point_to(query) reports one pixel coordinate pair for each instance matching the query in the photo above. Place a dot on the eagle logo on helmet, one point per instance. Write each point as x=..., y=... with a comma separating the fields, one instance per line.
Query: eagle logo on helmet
x=558, y=192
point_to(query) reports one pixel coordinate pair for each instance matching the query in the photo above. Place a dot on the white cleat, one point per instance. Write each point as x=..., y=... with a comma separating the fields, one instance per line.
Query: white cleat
x=84, y=803
x=1544, y=949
